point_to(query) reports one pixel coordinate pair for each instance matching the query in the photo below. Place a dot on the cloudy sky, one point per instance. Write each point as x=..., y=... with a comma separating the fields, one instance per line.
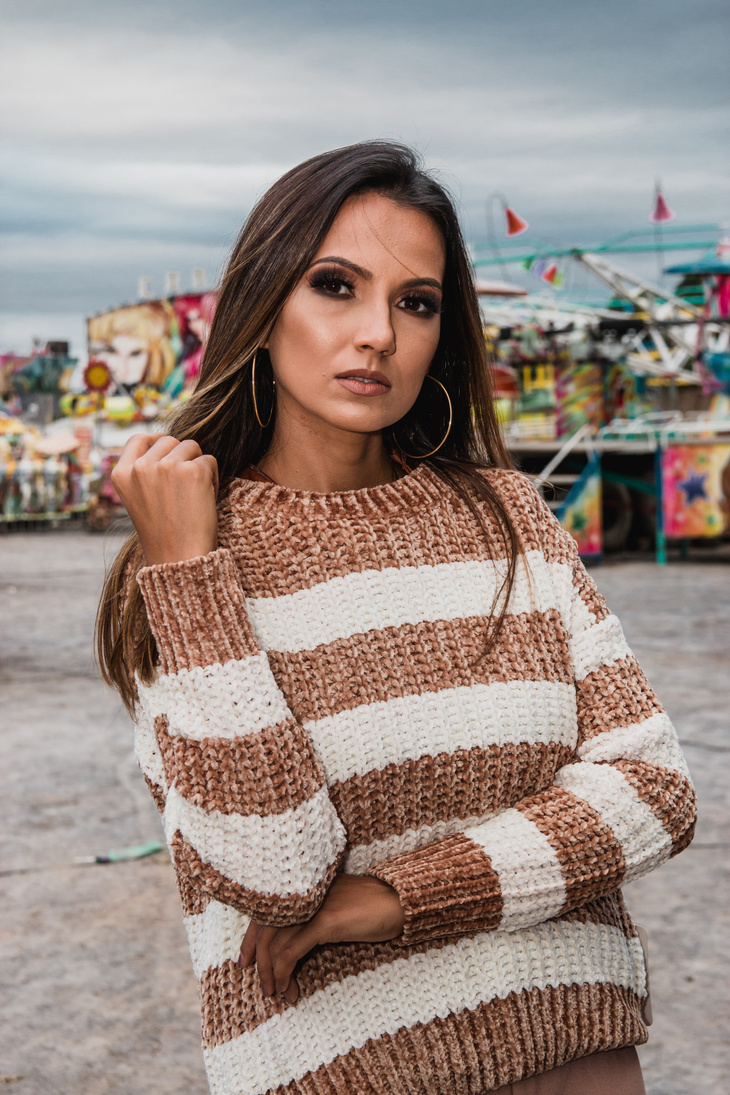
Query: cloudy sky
x=137, y=135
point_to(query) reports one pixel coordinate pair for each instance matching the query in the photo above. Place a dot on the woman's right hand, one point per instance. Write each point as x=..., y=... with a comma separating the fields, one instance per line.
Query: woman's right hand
x=169, y=489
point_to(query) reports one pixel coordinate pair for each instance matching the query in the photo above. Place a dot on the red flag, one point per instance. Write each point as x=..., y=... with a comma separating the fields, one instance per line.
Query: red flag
x=515, y=223
x=662, y=212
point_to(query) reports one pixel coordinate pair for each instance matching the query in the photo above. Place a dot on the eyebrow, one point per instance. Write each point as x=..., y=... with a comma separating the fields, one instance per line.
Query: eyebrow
x=367, y=276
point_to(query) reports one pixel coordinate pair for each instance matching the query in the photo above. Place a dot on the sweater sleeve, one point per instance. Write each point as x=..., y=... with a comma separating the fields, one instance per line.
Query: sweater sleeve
x=619, y=808
x=245, y=806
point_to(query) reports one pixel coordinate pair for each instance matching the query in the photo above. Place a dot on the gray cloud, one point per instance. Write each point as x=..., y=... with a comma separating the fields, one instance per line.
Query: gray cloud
x=140, y=135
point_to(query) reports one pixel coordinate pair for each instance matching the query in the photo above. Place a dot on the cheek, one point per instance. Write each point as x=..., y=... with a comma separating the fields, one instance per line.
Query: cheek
x=305, y=339
x=417, y=341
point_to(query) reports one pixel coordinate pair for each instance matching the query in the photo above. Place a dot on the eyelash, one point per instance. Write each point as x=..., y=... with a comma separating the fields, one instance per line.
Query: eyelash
x=324, y=280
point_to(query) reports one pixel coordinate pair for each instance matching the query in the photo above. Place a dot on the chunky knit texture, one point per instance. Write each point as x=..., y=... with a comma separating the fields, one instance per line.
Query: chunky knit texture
x=323, y=703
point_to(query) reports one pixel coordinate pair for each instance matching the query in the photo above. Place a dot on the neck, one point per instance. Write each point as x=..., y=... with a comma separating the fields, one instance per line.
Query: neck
x=340, y=461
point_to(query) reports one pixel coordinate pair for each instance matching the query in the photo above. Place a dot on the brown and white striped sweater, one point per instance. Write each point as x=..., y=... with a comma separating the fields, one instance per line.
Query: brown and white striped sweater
x=322, y=704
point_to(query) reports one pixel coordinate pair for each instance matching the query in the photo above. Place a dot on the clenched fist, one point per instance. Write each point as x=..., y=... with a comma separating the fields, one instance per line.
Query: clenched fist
x=169, y=489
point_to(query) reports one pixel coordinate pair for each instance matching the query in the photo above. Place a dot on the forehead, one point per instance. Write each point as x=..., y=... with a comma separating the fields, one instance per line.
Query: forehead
x=379, y=234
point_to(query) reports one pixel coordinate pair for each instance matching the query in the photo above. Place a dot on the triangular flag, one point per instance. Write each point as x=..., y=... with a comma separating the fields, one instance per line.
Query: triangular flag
x=515, y=223
x=539, y=267
x=662, y=212
x=550, y=274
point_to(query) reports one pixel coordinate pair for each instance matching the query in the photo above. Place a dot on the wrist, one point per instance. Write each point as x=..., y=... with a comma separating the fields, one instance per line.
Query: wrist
x=159, y=554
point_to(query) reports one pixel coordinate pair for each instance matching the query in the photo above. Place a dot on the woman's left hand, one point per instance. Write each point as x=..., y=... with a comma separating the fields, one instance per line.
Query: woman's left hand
x=357, y=909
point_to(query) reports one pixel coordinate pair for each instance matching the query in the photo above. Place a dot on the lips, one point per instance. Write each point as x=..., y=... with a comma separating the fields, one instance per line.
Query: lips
x=364, y=382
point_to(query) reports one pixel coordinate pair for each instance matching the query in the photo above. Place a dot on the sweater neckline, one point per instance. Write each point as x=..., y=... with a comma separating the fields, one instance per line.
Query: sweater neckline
x=412, y=489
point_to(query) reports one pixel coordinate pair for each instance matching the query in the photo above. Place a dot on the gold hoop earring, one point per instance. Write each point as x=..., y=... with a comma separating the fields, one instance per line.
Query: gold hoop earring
x=263, y=425
x=422, y=456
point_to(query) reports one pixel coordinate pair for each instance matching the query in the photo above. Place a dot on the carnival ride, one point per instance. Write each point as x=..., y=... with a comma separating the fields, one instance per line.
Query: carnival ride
x=663, y=471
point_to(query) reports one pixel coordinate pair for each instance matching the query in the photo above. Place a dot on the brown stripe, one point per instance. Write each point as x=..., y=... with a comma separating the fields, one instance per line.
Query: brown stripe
x=462, y=784
x=475, y=1051
x=323, y=966
x=587, y=590
x=539, y=528
x=267, y=908
x=262, y=773
x=158, y=795
x=591, y=857
x=669, y=794
x=281, y=560
x=233, y=1004
x=194, y=900
x=446, y=888
x=197, y=612
x=614, y=695
x=609, y=909
x=417, y=658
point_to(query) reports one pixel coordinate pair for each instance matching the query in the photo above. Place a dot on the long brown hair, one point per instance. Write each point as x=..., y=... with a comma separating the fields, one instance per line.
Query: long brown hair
x=275, y=248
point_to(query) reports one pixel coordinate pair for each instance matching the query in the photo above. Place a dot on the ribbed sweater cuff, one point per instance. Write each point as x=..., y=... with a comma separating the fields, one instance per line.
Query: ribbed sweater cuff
x=197, y=611
x=447, y=888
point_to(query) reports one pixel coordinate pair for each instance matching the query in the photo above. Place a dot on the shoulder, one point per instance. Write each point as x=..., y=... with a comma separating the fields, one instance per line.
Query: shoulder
x=536, y=526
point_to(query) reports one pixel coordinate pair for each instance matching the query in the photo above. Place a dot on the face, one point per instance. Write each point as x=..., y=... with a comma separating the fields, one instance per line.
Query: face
x=355, y=339
x=126, y=357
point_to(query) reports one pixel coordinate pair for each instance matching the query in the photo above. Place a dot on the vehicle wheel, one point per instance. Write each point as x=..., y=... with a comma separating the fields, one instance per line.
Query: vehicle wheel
x=618, y=513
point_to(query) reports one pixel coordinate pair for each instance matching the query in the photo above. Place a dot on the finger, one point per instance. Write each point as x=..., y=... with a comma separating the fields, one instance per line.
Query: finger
x=248, y=946
x=212, y=463
x=292, y=993
x=137, y=446
x=263, y=958
x=286, y=954
x=161, y=448
x=184, y=450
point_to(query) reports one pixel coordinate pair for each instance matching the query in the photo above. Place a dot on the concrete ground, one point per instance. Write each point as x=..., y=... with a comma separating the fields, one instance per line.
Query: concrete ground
x=98, y=993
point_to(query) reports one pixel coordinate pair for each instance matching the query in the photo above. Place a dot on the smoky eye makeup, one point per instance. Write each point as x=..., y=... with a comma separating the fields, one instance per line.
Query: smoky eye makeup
x=421, y=302
x=330, y=280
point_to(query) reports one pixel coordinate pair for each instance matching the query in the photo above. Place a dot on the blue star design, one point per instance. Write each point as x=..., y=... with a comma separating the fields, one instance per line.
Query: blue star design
x=693, y=487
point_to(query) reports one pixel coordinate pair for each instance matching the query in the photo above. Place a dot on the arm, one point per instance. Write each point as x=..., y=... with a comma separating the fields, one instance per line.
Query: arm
x=622, y=806
x=246, y=810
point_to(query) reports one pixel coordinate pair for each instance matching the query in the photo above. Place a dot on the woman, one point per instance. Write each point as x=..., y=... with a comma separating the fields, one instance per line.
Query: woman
x=404, y=756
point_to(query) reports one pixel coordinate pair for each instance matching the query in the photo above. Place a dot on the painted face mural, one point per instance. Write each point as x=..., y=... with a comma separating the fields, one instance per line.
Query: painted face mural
x=157, y=343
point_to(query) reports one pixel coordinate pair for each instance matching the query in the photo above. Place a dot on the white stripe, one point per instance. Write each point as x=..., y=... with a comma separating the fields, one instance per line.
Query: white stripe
x=417, y=989
x=644, y=840
x=362, y=856
x=215, y=936
x=653, y=741
x=530, y=876
x=394, y=731
x=581, y=617
x=375, y=599
x=147, y=749
x=218, y=701
x=282, y=854
x=602, y=644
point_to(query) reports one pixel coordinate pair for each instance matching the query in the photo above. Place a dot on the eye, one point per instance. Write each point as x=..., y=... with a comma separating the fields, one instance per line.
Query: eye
x=421, y=304
x=331, y=283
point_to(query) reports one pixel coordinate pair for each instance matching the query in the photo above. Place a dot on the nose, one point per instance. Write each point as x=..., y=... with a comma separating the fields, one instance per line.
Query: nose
x=375, y=330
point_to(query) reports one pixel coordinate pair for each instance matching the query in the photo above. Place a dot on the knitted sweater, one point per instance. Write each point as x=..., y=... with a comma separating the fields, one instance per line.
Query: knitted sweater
x=323, y=703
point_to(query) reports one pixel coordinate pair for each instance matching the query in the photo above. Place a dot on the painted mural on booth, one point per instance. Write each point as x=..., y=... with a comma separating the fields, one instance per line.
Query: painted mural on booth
x=696, y=489
x=156, y=343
